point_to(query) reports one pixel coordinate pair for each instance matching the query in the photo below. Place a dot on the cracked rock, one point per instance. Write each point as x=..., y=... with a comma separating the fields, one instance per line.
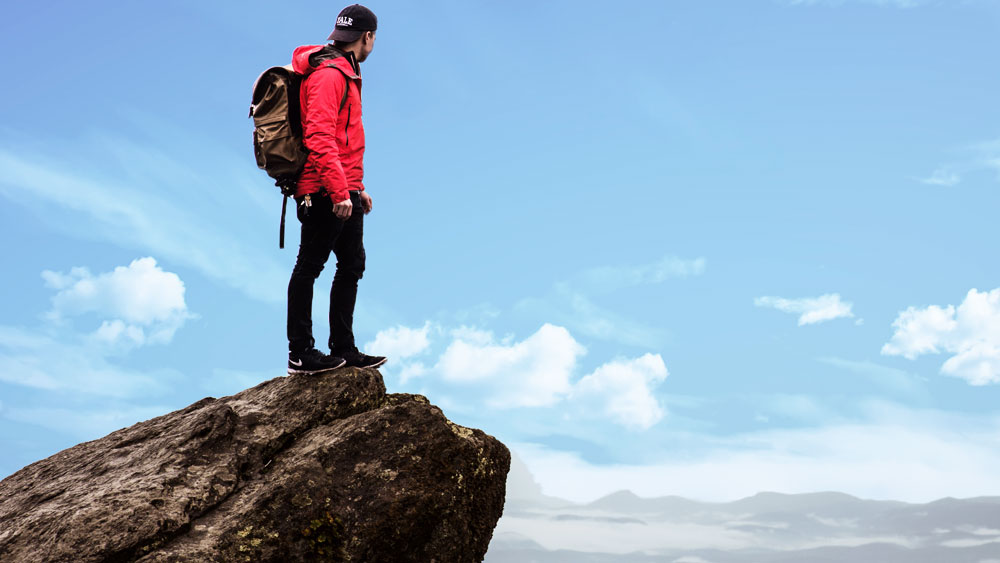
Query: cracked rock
x=299, y=468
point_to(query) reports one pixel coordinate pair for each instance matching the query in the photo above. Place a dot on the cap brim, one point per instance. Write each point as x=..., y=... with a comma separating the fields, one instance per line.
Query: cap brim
x=346, y=35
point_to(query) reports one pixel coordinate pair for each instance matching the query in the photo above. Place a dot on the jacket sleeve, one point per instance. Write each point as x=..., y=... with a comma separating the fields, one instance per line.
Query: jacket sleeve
x=324, y=90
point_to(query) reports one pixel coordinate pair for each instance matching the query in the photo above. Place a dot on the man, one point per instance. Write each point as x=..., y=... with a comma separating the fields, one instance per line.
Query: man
x=331, y=197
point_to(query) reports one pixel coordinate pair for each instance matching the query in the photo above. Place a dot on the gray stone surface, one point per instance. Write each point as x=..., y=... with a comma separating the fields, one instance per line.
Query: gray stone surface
x=300, y=468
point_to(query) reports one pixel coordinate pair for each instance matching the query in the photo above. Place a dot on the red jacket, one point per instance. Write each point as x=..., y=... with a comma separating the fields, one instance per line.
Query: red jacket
x=335, y=137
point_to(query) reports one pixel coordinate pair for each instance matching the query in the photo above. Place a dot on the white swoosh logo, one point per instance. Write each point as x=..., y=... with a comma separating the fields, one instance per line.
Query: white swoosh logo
x=296, y=364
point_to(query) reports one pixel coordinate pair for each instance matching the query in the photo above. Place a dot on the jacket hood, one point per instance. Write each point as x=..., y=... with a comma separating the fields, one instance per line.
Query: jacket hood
x=303, y=60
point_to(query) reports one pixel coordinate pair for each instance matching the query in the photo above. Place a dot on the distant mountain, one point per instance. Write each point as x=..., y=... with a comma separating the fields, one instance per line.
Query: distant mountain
x=823, y=527
x=629, y=502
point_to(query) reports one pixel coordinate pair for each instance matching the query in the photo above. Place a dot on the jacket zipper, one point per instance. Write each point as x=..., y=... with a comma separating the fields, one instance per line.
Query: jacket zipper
x=347, y=137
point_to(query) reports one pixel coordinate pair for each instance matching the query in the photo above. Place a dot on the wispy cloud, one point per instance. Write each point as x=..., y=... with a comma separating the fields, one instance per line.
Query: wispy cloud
x=970, y=332
x=610, y=278
x=988, y=156
x=811, y=310
x=142, y=199
x=575, y=302
x=977, y=157
x=66, y=363
x=944, y=176
x=799, y=408
x=889, y=377
x=569, y=306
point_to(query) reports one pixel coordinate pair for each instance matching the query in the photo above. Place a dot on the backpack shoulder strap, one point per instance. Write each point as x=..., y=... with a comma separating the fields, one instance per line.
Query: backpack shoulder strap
x=324, y=58
x=347, y=82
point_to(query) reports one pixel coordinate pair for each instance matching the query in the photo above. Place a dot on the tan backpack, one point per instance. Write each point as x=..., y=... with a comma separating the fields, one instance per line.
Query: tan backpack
x=277, y=135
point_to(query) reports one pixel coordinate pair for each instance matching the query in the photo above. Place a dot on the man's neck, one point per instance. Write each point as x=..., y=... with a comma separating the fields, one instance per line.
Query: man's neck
x=352, y=57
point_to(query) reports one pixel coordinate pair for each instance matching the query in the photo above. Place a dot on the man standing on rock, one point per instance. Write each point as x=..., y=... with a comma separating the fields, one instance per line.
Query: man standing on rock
x=331, y=197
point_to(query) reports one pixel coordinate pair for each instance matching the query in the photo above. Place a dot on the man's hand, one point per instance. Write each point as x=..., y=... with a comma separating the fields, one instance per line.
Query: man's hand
x=342, y=210
x=366, y=202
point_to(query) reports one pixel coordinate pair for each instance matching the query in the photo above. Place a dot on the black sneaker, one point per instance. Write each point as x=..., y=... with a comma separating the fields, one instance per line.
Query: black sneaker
x=312, y=361
x=356, y=359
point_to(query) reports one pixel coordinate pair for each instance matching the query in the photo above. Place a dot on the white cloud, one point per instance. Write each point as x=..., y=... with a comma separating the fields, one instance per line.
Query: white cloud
x=141, y=303
x=538, y=371
x=811, y=310
x=624, y=388
x=918, y=331
x=533, y=372
x=970, y=332
x=400, y=342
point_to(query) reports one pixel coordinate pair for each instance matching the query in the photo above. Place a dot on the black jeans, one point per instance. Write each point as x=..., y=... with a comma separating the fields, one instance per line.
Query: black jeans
x=322, y=232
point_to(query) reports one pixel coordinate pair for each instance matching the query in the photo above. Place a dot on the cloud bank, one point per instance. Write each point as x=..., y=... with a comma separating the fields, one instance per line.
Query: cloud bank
x=941, y=454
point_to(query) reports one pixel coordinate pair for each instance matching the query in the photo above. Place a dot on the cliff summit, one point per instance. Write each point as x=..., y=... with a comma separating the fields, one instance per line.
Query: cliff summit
x=298, y=468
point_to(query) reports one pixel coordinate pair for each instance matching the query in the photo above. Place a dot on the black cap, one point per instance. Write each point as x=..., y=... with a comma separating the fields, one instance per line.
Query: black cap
x=352, y=22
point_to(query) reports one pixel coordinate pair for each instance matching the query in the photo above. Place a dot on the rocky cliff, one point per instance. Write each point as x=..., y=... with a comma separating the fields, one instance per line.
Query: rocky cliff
x=299, y=468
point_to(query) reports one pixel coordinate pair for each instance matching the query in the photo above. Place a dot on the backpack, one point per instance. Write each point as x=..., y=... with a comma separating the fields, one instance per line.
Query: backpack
x=277, y=135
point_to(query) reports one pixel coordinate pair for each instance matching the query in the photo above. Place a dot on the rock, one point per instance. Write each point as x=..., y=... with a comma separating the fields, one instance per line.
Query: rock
x=299, y=468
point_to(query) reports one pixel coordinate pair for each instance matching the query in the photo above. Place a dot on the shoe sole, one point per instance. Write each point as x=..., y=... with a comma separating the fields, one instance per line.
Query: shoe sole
x=375, y=365
x=315, y=371
x=368, y=366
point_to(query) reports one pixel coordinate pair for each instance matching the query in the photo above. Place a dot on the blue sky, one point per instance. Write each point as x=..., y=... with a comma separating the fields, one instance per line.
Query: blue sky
x=693, y=248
